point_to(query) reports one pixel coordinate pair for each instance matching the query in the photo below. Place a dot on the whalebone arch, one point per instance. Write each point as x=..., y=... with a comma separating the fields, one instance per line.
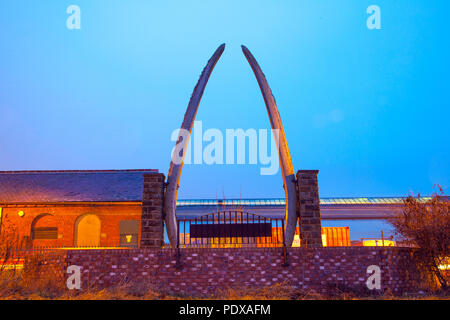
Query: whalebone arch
x=176, y=167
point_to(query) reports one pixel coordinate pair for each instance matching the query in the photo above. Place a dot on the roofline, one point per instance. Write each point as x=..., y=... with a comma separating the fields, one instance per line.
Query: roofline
x=81, y=171
x=341, y=202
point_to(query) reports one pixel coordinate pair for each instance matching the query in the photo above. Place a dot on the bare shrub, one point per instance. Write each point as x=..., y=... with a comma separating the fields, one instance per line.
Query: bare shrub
x=425, y=225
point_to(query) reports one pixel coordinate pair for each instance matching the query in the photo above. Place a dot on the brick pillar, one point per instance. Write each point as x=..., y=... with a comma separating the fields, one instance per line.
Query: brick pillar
x=309, y=208
x=152, y=225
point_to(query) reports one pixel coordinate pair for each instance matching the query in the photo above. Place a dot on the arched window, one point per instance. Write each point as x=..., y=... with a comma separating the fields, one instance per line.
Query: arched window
x=44, y=227
x=87, y=231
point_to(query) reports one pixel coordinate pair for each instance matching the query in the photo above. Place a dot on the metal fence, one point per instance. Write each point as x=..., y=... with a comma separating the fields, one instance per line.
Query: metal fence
x=230, y=229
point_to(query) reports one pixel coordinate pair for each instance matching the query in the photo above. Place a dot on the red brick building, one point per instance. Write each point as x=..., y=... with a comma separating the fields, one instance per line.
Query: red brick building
x=72, y=208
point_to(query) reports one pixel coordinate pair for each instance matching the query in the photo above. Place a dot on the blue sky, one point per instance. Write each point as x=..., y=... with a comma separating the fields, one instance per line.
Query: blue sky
x=368, y=108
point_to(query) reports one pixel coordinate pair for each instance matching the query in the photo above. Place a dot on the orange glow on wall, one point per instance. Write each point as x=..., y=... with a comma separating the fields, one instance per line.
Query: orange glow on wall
x=336, y=237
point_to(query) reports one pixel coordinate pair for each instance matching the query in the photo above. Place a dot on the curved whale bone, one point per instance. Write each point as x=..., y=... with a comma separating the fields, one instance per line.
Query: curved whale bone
x=287, y=169
x=173, y=178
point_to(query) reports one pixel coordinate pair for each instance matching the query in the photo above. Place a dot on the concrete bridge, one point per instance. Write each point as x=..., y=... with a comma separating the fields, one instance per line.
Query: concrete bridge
x=330, y=208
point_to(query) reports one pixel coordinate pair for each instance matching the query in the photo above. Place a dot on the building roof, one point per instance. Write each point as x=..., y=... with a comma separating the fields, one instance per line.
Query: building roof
x=72, y=185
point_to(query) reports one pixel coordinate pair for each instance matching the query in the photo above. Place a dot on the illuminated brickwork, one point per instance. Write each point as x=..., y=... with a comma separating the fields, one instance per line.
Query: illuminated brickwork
x=68, y=208
x=64, y=218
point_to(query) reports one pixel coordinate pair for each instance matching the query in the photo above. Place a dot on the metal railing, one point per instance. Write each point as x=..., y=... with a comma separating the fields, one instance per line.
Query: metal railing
x=230, y=229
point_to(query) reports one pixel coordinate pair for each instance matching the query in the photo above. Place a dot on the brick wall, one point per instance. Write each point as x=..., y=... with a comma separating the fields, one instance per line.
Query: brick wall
x=308, y=208
x=45, y=264
x=205, y=271
x=152, y=222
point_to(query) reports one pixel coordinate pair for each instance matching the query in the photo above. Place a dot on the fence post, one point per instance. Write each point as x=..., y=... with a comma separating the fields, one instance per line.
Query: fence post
x=178, y=254
x=285, y=263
